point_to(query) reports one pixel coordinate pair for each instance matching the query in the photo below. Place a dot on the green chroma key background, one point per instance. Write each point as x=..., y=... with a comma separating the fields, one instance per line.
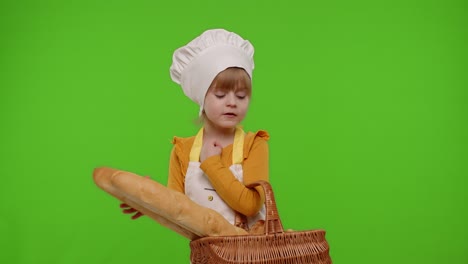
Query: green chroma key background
x=365, y=101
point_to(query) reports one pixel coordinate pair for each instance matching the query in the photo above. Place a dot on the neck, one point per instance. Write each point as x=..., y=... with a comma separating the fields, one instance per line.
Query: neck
x=211, y=131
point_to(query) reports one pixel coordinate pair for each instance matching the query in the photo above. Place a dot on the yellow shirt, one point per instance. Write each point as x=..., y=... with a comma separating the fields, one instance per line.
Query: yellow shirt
x=234, y=193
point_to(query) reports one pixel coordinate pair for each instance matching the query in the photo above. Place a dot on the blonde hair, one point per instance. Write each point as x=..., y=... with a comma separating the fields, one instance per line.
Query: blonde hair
x=231, y=79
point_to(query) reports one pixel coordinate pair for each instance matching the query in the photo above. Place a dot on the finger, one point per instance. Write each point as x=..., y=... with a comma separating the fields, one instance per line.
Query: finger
x=137, y=215
x=129, y=211
x=124, y=205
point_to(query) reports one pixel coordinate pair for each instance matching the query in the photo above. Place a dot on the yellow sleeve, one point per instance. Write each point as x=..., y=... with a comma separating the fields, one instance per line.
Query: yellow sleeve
x=240, y=198
x=176, y=178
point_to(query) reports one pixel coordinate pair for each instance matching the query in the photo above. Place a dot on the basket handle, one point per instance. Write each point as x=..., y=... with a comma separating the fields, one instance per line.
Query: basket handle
x=272, y=220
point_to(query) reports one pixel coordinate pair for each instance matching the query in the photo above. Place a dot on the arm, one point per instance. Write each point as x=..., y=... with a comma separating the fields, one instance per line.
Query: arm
x=234, y=193
x=176, y=177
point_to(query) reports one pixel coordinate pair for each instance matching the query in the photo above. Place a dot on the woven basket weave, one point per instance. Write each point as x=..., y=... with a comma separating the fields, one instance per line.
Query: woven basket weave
x=275, y=246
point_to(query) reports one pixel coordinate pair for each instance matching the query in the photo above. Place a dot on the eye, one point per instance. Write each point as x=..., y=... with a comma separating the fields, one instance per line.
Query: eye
x=219, y=95
x=241, y=95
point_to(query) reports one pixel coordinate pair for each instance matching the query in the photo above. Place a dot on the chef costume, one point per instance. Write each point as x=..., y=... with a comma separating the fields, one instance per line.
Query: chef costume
x=194, y=67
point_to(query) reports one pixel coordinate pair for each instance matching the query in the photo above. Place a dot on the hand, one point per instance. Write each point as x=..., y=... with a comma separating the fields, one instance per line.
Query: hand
x=127, y=209
x=210, y=149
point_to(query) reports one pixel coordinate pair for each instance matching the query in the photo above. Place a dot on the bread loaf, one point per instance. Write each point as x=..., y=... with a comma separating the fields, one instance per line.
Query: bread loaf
x=169, y=208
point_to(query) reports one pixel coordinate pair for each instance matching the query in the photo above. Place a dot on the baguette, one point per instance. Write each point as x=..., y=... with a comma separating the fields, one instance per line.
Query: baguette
x=169, y=208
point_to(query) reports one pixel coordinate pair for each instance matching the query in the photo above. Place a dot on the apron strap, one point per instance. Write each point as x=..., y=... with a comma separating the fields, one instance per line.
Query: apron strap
x=197, y=146
x=237, y=148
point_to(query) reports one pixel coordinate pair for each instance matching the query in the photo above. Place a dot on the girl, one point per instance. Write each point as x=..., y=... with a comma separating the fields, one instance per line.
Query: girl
x=214, y=167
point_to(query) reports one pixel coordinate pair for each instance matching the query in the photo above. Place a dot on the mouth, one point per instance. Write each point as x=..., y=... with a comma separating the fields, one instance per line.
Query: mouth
x=229, y=114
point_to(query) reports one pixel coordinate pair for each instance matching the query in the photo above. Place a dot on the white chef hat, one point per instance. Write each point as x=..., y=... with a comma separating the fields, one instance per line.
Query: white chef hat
x=195, y=65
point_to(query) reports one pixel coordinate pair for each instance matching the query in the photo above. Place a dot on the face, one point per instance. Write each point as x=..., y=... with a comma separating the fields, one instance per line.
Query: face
x=226, y=109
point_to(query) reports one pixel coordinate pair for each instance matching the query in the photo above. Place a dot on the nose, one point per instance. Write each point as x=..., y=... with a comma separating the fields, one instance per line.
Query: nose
x=231, y=99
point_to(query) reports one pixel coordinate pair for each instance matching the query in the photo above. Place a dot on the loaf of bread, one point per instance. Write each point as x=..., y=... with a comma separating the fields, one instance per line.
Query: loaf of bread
x=169, y=208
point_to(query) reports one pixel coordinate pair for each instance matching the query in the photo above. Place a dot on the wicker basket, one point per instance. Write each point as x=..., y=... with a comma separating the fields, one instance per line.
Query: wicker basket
x=275, y=246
